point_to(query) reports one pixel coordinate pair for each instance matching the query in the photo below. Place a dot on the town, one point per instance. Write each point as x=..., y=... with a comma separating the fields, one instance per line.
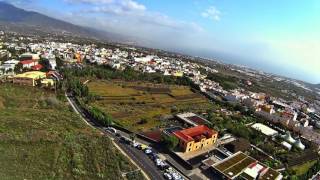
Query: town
x=218, y=128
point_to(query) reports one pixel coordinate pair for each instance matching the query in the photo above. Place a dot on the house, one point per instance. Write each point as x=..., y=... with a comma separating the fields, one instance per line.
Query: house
x=196, y=138
x=37, y=67
x=9, y=65
x=29, y=56
x=29, y=78
x=28, y=64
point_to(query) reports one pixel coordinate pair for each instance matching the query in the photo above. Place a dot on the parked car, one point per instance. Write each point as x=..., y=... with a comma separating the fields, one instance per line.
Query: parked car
x=163, y=165
x=167, y=176
x=111, y=129
x=169, y=170
x=148, y=151
x=176, y=176
x=143, y=146
x=139, y=147
x=136, y=144
x=158, y=161
x=125, y=140
x=153, y=156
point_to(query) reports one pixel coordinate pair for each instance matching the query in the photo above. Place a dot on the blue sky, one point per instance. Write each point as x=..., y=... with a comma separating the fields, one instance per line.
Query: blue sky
x=281, y=37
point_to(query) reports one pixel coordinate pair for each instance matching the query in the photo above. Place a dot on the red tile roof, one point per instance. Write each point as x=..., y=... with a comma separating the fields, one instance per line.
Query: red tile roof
x=194, y=133
x=154, y=135
x=37, y=67
x=27, y=61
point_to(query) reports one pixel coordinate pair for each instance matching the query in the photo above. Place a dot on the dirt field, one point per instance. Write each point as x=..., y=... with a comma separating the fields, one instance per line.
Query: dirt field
x=139, y=106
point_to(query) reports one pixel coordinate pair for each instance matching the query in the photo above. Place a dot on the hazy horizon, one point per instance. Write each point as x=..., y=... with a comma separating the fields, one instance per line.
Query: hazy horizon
x=277, y=37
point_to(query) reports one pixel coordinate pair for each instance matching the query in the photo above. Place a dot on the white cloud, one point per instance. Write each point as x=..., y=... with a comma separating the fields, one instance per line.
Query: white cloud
x=135, y=15
x=212, y=13
x=105, y=5
x=90, y=1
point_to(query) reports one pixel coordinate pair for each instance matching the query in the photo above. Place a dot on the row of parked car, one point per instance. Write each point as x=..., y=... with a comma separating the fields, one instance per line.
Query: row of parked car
x=168, y=172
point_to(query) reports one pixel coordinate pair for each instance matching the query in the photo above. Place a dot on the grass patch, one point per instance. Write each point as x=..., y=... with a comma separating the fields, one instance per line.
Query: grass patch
x=41, y=138
x=128, y=109
x=302, y=169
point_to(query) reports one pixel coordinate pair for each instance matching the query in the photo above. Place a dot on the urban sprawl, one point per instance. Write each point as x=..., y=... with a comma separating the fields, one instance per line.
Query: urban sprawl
x=202, y=150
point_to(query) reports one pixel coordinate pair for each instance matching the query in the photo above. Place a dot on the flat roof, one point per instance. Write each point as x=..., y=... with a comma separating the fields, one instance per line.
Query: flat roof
x=193, y=119
x=264, y=129
x=235, y=166
x=32, y=75
x=198, y=120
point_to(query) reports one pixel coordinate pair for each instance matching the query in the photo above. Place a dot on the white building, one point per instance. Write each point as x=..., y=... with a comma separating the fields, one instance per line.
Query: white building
x=265, y=129
x=9, y=66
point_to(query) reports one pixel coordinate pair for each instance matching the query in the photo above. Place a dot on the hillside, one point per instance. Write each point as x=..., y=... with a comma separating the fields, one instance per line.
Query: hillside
x=41, y=138
x=22, y=21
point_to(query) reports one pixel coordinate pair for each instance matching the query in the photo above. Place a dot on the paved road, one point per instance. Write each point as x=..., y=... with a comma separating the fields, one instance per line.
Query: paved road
x=136, y=155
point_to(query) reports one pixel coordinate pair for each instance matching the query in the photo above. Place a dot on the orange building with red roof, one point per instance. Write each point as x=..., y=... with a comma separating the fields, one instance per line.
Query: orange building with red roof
x=195, y=138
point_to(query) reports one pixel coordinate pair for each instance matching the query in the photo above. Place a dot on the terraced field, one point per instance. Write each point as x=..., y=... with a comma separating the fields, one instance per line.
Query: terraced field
x=139, y=106
x=41, y=138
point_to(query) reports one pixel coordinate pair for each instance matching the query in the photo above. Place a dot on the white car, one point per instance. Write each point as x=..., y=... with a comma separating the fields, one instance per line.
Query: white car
x=158, y=162
x=111, y=129
x=176, y=176
x=148, y=151
x=167, y=176
x=135, y=144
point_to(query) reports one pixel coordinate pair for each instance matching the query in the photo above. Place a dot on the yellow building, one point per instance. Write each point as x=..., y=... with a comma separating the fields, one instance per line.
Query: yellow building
x=29, y=78
x=48, y=82
x=196, y=138
x=178, y=74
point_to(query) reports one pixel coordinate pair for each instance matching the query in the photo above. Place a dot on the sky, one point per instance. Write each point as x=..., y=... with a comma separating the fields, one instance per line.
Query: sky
x=281, y=37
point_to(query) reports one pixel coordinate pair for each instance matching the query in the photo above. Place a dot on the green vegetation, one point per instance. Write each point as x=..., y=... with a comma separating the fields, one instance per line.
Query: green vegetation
x=225, y=81
x=107, y=73
x=139, y=105
x=170, y=142
x=302, y=169
x=134, y=100
x=45, y=65
x=305, y=171
x=41, y=138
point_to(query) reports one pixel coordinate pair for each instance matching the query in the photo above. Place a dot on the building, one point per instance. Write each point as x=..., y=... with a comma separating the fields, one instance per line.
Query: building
x=48, y=82
x=29, y=55
x=297, y=143
x=287, y=137
x=28, y=64
x=29, y=78
x=265, y=129
x=242, y=166
x=37, y=67
x=240, y=144
x=9, y=66
x=196, y=138
x=192, y=119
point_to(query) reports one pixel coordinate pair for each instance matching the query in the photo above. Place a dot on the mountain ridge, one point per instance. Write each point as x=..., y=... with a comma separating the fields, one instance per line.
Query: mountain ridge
x=17, y=19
